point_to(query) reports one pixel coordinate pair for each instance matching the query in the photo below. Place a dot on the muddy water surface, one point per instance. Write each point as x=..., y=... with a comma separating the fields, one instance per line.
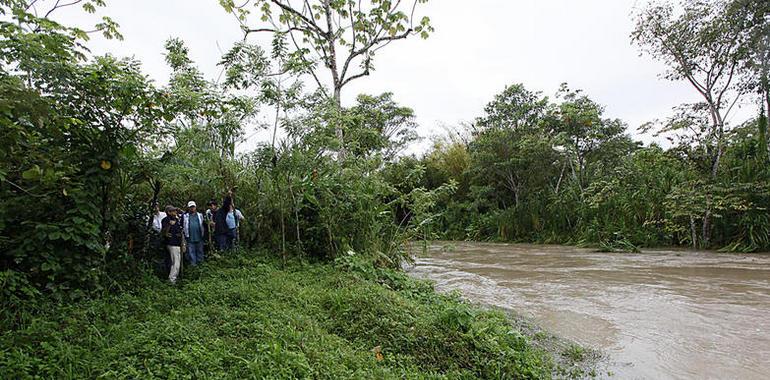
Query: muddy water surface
x=657, y=314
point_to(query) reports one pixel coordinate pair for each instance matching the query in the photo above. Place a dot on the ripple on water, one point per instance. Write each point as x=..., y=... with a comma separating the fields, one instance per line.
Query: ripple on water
x=659, y=314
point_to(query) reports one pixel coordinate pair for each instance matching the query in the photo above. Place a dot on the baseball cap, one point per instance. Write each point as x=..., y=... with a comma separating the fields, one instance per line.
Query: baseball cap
x=191, y=204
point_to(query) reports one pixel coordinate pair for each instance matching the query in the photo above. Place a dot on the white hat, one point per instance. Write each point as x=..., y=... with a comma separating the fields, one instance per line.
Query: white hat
x=191, y=204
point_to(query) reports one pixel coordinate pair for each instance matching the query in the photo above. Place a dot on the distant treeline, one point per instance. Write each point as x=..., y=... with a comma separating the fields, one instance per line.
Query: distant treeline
x=535, y=170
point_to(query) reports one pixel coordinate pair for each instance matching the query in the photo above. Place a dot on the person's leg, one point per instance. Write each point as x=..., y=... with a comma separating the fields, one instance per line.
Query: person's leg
x=190, y=254
x=196, y=251
x=175, y=253
x=199, y=258
x=221, y=241
x=166, y=261
x=231, y=239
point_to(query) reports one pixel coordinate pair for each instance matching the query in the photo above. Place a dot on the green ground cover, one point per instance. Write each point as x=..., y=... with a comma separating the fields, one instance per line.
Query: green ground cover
x=250, y=316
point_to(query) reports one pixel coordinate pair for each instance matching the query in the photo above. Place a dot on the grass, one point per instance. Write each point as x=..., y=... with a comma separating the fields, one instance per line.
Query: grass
x=248, y=316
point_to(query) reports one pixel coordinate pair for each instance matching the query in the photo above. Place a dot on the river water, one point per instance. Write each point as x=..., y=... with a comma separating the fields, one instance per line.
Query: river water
x=657, y=314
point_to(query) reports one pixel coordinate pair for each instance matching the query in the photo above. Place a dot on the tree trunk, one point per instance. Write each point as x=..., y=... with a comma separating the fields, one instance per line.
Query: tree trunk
x=762, y=138
x=706, y=237
x=340, y=134
x=338, y=82
x=719, y=134
x=693, y=233
x=767, y=119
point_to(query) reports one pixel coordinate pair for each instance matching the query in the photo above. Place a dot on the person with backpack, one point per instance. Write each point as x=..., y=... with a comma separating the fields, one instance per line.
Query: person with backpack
x=236, y=216
x=225, y=224
x=194, y=231
x=173, y=234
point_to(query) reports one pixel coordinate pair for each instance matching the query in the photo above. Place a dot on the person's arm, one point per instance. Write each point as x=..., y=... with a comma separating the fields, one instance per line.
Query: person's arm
x=239, y=214
x=156, y=221
x=165, y=228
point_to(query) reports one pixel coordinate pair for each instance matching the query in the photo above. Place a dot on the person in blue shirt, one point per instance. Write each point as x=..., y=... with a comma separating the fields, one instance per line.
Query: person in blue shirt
x=194, y=232
x=236, y=217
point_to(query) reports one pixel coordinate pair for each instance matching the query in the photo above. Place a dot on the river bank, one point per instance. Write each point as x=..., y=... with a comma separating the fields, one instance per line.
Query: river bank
x=657, y=314
x=249, y=316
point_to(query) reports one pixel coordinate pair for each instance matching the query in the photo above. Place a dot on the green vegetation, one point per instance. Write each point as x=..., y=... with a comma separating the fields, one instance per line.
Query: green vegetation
x=90, y=145
x=249, y=316
x=533, y=168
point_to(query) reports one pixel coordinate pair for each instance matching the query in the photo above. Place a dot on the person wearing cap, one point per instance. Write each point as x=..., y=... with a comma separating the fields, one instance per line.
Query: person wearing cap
x=173, y=235
x=194, y=232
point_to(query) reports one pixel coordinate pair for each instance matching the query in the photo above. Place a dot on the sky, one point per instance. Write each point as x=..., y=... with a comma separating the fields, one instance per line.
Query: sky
x=478, y=48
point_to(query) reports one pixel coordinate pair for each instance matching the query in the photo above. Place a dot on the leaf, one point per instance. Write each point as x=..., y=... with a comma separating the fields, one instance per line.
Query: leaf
x=32, y=173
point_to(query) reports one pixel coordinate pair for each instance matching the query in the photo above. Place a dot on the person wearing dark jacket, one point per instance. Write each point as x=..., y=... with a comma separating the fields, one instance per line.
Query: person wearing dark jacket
x=173, y=234
x=223, y=234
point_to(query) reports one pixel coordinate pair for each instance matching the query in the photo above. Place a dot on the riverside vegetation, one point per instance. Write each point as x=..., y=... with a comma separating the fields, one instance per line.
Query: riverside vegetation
x=250, y=316
x=90, y=144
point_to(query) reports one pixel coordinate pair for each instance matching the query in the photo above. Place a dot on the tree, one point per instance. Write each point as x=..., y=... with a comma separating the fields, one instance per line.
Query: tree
x=515, y=107
x=380, y=125
x=752, y=19
x=591, y=142
x=71, y=133
x=337, y=34
x=33, y=17
x=206, y=105
x=705, y=49
x=512, y=151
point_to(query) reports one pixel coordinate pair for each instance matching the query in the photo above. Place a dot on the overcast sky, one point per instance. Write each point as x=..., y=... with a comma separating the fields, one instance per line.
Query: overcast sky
x=478, y=48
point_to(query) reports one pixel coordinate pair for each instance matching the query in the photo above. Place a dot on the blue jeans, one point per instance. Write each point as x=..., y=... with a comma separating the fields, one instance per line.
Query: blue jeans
x=195, y=252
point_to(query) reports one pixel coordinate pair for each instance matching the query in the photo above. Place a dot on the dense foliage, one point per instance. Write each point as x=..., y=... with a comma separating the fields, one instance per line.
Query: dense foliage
x=254, y=318
x=532, y=169
x=90, y=145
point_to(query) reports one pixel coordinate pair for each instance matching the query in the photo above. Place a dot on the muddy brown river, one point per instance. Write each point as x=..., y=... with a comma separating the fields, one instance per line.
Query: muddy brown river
x=657, y=314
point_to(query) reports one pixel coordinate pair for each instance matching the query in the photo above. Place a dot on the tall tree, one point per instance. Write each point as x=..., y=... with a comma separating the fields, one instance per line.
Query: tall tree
x=705, y=49
x=337, y=34
x=702, y=48
x=381, y=126
x=752, y=19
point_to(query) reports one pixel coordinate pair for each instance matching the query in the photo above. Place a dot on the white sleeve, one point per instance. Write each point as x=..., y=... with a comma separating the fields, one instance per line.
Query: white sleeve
x=239, y=214
x=156, y=221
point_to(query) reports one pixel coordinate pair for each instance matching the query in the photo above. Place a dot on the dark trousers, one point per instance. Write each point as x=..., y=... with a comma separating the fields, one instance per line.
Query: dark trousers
x=161, y=259
x=225, y=241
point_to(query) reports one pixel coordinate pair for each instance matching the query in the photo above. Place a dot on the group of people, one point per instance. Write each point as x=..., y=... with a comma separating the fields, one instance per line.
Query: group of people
x=189, y=232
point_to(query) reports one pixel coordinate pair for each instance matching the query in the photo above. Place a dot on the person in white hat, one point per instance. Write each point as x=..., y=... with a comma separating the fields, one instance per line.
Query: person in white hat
x=193, y=233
